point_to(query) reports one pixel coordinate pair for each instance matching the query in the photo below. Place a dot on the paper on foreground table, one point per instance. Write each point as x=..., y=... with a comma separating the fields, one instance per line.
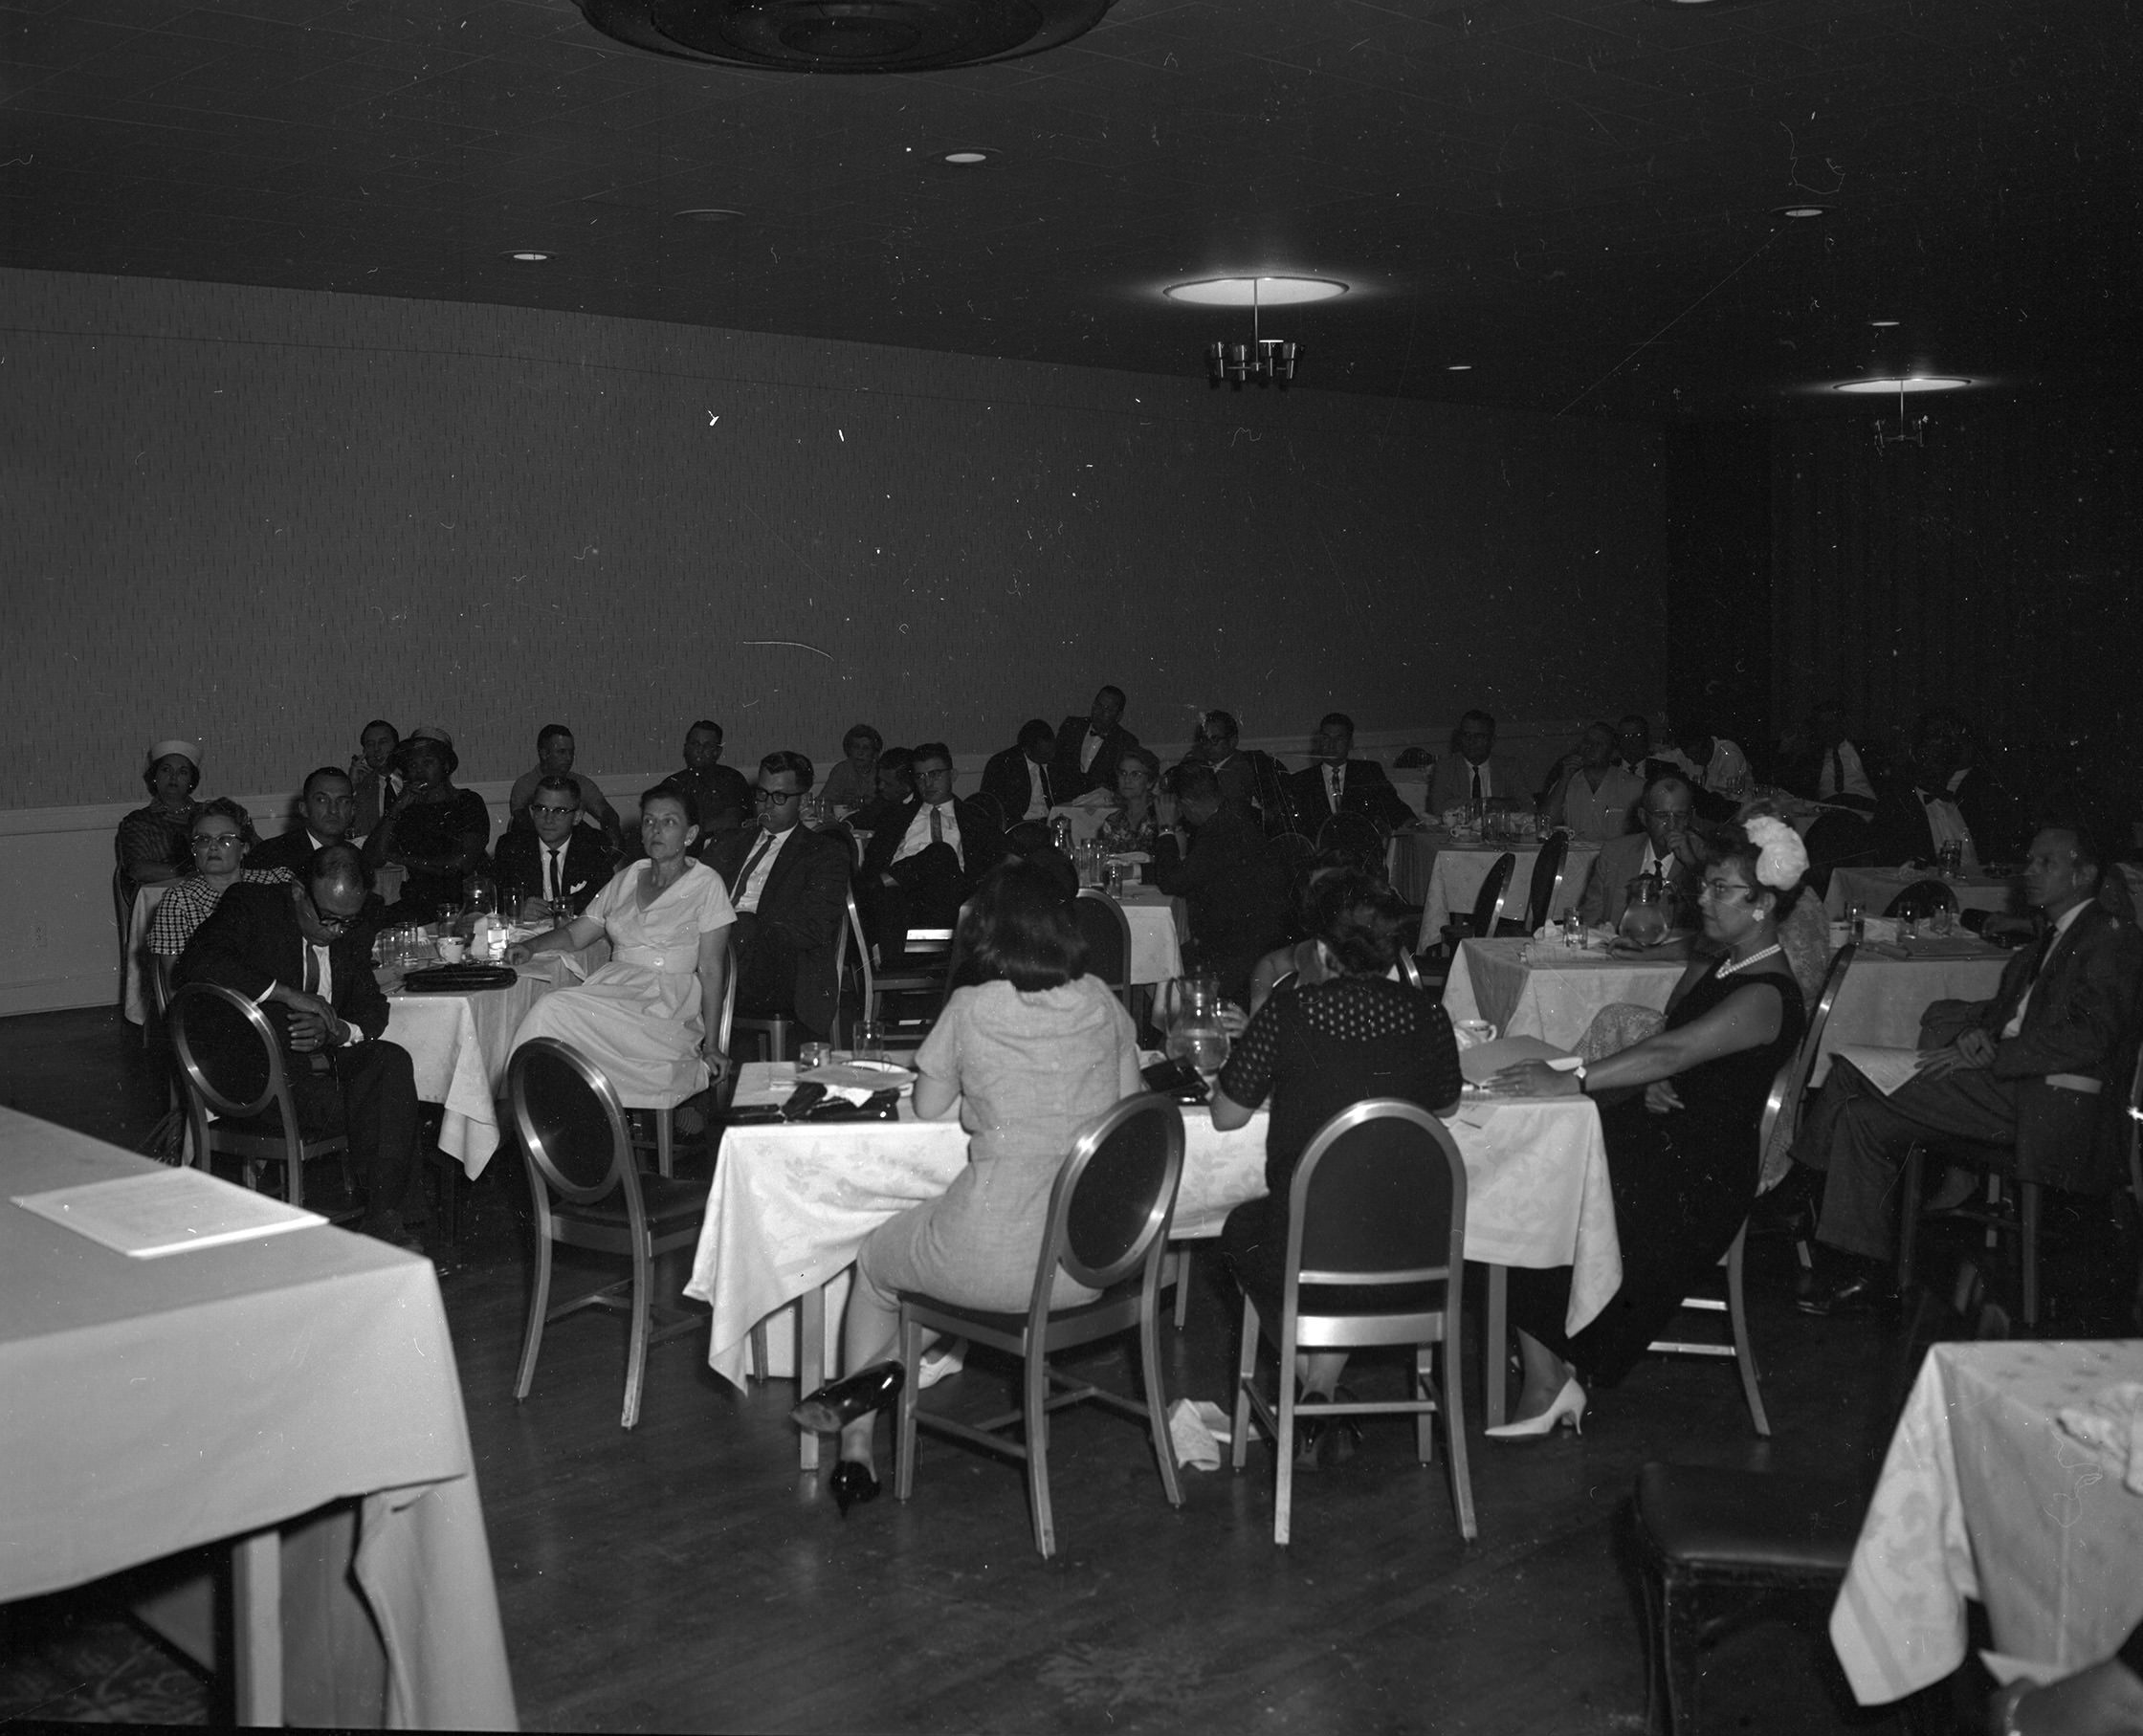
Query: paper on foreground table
x=1885, y=1068
x=167, y=1212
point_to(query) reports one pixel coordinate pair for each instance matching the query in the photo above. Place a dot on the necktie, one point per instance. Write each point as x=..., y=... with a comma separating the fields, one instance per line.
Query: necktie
x=1043, y=772
x=1476, y=783
x=937, y=826
x=311, y=969
x=752, y=861
x=554, y=888
x=1336, y=773
x=1837, y=772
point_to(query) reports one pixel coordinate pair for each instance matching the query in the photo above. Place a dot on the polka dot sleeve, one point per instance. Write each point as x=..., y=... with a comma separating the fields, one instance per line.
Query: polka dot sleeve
x=1247, y=1077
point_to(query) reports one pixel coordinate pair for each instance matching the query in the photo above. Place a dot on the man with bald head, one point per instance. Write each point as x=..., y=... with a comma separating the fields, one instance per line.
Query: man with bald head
x=299, y=952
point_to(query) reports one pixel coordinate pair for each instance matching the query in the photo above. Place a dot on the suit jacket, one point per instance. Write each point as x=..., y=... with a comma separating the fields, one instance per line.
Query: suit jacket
x=1237, y=896
x=801, y=909
x=1005, y=782
x=981, y=845
x=251, y=940
x=2081, y=1024
x=290, y=848
x=1453, y=782
x=717, y=791
x=1065, y=779
x=518, y=863
x=1620, y=860
x=1898, y=828
x=1368, y=790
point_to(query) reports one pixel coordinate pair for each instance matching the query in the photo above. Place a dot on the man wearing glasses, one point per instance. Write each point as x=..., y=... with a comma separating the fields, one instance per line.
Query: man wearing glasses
x=554, y=860
x=299, y=952
x=789, y=886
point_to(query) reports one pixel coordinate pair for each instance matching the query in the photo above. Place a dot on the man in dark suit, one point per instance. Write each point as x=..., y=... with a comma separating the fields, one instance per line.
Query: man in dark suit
x=1087, y=747
x=553, y=860
x=1018, y=780
x=1252, y=782
x=1668, y=846
x=927, y=857
x=789, y=886
x=295, y=951
x=1338, y=784
x=1236, y=894
x=1473, y=771
x=1940, y=796
x=328, y=809
x=722, y=800
x=2035, y=1076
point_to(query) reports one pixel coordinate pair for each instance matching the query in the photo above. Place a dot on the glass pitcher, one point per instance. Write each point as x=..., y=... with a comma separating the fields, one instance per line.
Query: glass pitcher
x=1644, y=920
x=1195, y=1034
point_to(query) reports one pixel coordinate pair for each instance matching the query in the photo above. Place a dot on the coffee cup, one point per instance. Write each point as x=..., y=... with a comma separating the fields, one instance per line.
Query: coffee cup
x=1471, y=1033
x=453, y=949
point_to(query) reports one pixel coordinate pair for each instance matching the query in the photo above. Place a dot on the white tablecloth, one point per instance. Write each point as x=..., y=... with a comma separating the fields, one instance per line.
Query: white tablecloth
x=1873, y=888
x=1984, y=1496
x=1554, y=996
x=1155, y=948
x=791, y=1204
x=1882, y=1000
x=1455, y=877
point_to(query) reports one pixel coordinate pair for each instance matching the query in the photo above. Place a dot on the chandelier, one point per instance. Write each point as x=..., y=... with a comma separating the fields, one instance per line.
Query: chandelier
x=1267, y=360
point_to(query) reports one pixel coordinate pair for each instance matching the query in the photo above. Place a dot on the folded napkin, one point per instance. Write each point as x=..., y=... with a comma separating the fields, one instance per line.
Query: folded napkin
x=2114, y=1424
x=1198, y=1429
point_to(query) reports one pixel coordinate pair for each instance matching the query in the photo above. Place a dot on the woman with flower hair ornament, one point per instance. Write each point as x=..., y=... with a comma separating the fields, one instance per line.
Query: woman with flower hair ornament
x=1679, y=1112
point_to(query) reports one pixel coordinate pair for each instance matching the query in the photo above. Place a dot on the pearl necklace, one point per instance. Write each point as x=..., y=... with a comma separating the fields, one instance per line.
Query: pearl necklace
x=1741, y=964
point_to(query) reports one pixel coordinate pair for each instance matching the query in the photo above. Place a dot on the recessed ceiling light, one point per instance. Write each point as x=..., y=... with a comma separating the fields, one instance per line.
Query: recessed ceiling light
x=1269, y=292
x=1882, y=325
x=967, y=157
x=529, y=256
x=1459, y=367
x=709, y=213
x=1894, y=384
x=1801, y=210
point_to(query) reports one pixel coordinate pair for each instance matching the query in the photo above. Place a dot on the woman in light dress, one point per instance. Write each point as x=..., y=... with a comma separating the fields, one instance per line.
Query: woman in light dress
x=643, y=1018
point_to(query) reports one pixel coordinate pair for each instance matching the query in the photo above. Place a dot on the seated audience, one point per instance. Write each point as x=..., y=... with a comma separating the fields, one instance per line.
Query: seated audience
x=2032, y=1078
x=1682, y=1154
x=789, y=888
x=722, y=799
x=298, y=951
x=1594, y=799
x=1668, y=846
x=1026, y=1055
x=1236, y=895
x=926, y=859
x=435, y=832
x=1634, y=749
x=1342, y=784
x=374, y=780
x=854, y=780
x=896, y=788
x=1252, y=782
x=554, y=860
x=222, y=838
x=1018, y=779
x=647, y=1019
x=1716, y=766
x=1087, y=747
x=1830, y=768
x=1134, y=823
x=156, y=843
x=1472, y=771
x=1940, y=798
x=327, y=810
x=554, y=759
x=1313, y=1049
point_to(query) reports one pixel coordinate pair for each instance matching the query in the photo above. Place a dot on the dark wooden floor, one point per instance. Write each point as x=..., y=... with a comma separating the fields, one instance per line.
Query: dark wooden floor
x=686, y=1576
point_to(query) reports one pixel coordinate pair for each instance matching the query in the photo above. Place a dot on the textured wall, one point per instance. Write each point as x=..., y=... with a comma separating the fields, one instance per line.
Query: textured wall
x=260, y=516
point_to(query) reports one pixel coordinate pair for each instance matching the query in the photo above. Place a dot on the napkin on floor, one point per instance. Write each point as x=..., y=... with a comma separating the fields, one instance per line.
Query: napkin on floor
x=1198, y=1429
x=2114, y=1424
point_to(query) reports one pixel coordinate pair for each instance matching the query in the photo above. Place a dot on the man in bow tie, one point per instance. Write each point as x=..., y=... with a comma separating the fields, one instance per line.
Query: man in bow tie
x=1089, y=748
x=1943, y=796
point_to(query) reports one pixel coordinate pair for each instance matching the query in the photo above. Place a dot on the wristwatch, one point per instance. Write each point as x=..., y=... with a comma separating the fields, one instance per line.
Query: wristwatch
x=1578, y=1073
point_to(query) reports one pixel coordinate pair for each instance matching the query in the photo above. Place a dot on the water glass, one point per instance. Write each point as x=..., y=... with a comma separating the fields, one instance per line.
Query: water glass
x=871, y=1040
x=812, y=1055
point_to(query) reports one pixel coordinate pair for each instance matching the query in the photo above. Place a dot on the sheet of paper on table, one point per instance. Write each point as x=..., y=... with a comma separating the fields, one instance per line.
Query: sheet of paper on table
x=1885, y=1068
x=147, y=1217
x=865, y=1076
x=1485, y=1060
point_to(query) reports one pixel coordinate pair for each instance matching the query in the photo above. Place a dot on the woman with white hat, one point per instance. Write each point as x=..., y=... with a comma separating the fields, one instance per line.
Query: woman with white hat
x=433, y=830
x=156, y=843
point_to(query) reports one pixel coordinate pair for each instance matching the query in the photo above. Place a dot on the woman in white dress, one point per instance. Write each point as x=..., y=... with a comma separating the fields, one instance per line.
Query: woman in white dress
x=641, y=1016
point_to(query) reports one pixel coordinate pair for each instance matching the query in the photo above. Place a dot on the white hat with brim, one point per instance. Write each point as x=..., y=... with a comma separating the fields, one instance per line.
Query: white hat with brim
x=186, y=750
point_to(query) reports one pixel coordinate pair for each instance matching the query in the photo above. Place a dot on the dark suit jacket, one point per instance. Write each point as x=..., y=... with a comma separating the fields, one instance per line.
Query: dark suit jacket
x=251, y=939
x=518, y=865
x=1898, y=830
x=2081, y=1024
x=1367, y=791
x=715, y=793
x=801, y=909
x=981, y=845
x=1236, y=894
x=1005, y=782
x=290, y=848
x=1066, y=779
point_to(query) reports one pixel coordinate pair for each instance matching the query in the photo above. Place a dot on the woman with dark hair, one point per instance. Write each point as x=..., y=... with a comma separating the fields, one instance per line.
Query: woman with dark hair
x=852, y=782
x=1026, y=1057
x=156, y=843
x=896, y=788
x=1134, y=823
x=1307, y=962
x=222, y=835
x=1314, y=1048
x=433, y=830
x=1679, y=1112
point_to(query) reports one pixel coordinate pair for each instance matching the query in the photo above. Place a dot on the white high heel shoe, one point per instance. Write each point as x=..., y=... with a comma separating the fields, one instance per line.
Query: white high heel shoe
x=1567, y=1406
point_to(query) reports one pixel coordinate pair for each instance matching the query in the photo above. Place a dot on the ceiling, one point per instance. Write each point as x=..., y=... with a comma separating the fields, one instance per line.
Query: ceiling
x=1575, y=198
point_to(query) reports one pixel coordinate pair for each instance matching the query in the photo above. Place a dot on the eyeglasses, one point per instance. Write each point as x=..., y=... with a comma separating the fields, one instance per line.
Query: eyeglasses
x=775, y=798
x=208, y=841
x=333, y=924
x=555, y=813
x=1724, y=889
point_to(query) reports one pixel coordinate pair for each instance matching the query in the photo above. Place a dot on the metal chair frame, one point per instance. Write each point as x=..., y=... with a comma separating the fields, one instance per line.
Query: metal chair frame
x=1922, y=898
x=1551, y=866
x=1805, y=1060
x=638, y=1241
x=1034, y=1335
x=1422, y=1329
x=1094, y=905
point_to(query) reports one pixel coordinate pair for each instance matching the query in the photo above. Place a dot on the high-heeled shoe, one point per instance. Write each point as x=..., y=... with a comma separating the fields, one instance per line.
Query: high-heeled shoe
x=840, y=1403
x=1321, y=1439
x=852, y=1484
x=1567, y=1406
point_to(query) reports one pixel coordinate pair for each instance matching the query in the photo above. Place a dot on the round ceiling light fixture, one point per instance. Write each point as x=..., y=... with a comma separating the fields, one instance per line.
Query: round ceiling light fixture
x=526, y=255
x=1458, y=367
x=1892, y=384
x=709, y=213
x=845, y=35
x=1255, y=291
x=1801, y=213
x=970, y=158
x=1882, y=326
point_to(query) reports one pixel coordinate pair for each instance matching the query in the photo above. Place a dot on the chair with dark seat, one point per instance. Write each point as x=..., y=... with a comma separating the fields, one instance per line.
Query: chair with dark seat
x=1922, y=899
x=1107, y=931
x=1027, y=837
x=1378, y=1206
x=1483, y=920
x=1108, y=1226
x=1755, y=1537
x=589, y=1194
x=230, y=1066
x=1545, y=887
x=988, y=807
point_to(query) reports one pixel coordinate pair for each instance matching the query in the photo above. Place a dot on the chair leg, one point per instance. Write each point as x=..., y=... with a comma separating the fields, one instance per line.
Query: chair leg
x=1452, y=1399
x=1245, y=1372
x=904, y=1409
x=1744, y=1354
x=1283, y=1454
x=665, y=1143
x=532, y=1340
x=1425, y=1421
x=759, y=1350
x=1181, y=1258
x=1037, y=1395
x=636, y=1350
x=2027, y=1232
x=1157, y=1407
x=1684, y=1666
x=1909, y=1180
x=1654, y=1595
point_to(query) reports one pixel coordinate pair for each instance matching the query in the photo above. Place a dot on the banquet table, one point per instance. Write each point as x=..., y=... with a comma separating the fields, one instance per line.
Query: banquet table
x=1536, y=988
x=1157, y=953
x=1872, y=889
x=1882, y=1000
x=219, y=1396
x=1985, y=1496
x=791, y=1204
x=1458, y=870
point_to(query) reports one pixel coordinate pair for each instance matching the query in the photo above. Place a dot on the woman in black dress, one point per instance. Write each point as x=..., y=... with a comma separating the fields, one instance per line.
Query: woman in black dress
x=434, y=831
x=1679, y=1112
x=1316, y=1048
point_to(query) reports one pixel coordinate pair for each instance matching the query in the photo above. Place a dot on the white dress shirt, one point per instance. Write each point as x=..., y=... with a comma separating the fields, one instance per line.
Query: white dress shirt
x=918, y=837
x=2015, y=1026
x=1844, y=774
x=1037, y=795
x=754, y=885
x=1089, y=748
x=1480, y=782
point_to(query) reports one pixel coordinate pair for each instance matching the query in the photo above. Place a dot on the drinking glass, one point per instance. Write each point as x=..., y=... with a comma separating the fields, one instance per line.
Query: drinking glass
x=871, y=1040
x=811, y=1055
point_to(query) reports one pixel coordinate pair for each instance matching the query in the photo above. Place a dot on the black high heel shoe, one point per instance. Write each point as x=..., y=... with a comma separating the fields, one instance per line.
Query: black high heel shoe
x=1319, y=1439
x=840, y=1403
x=852, y=1484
